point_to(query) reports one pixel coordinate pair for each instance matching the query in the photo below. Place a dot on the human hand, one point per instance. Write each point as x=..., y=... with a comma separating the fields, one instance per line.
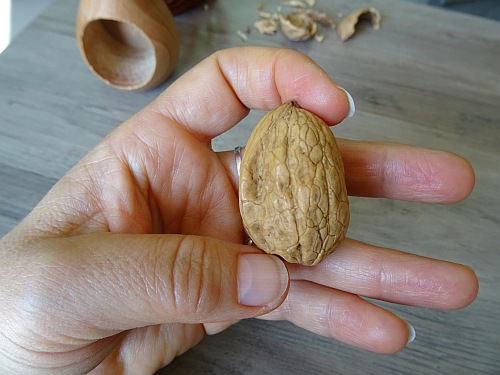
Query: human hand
x=137, y=252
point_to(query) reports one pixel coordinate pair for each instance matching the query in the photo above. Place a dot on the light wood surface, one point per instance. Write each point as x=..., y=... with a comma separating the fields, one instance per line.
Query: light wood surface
x=428, y=77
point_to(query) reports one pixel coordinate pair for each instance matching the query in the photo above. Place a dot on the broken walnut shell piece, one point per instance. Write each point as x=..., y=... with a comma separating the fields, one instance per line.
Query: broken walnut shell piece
x=266, y=26
x=298, y=26
x=292, y=193
x=347, y=27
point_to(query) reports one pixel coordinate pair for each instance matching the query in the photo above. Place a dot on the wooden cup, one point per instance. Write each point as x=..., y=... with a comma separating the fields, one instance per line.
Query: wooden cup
x=129, y=44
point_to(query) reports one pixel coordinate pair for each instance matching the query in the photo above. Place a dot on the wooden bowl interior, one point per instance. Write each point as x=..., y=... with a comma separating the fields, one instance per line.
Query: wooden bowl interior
x=120, y=53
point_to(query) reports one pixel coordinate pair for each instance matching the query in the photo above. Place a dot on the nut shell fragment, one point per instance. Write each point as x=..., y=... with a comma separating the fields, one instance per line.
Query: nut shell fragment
x=294, y=3
x=298, y=26
x=293, y=198
x=321, y=17
x=266, y=26
x=347, y=27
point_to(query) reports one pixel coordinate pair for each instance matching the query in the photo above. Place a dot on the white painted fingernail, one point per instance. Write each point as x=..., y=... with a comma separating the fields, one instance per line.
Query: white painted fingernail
x=411, y=333
x=352, y=106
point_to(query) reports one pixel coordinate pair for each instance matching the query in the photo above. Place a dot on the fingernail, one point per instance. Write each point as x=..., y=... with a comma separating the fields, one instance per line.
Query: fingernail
x=411, y=333
x=262, y=279
x=352, y=106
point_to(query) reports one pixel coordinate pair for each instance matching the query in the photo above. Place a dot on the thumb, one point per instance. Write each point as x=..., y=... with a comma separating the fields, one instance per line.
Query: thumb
x=122, y=281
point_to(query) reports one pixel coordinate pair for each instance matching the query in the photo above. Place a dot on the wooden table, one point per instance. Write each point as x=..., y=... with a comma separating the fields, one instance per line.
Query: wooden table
x=428, y=77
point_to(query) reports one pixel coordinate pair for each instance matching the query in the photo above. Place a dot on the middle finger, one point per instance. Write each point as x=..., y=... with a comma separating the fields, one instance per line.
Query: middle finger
x=393, y=276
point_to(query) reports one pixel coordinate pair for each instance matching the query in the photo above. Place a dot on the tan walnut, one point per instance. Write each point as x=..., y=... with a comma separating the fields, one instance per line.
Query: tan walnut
x=292, y=196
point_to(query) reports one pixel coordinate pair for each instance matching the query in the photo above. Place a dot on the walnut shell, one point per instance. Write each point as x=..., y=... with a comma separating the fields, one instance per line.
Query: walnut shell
x=298, y=26
x=347, y=27
x=293, y=198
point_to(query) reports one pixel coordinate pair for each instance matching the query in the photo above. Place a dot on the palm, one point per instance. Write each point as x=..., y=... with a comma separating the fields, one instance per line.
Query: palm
x=174, y=183
x=158, y=180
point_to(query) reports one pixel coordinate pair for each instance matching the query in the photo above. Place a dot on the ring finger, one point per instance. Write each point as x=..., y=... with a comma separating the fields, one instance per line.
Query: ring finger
x=344, y=317
x=392, y=276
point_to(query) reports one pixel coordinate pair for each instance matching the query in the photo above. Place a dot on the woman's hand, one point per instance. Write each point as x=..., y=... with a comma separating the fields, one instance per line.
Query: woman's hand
x=137, y=252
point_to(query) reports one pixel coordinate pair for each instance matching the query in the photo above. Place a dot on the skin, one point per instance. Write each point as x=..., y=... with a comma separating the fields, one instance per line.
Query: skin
x=132, y=257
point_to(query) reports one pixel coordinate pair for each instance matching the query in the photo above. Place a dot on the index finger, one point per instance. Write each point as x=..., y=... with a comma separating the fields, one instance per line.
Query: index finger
x=217, y=93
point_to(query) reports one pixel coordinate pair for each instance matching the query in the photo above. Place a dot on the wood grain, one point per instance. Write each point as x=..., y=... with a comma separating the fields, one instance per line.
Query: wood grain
x=429, y=77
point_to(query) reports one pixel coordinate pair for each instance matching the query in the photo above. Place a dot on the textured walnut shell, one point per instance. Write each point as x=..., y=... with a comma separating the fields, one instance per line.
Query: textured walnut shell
x=298, y=26
x=293, y=198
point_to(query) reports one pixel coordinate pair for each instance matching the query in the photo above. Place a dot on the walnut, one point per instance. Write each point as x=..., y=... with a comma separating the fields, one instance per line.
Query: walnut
x=293, y=198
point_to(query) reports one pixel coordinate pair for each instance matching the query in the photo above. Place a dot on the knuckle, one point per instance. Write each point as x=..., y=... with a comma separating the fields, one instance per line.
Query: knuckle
x=196, y=278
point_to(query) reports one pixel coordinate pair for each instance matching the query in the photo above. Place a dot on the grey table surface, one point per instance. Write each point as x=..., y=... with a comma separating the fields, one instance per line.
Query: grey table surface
x=428, y=77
